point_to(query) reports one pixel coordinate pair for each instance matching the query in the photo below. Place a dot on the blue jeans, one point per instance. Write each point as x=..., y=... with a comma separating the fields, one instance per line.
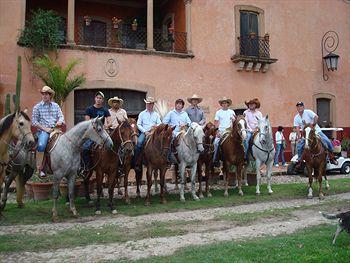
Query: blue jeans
x=43, y=137
x=324, y=139
x=216, y=148
x=86, y=154
x=279, y=151
x=246, y=143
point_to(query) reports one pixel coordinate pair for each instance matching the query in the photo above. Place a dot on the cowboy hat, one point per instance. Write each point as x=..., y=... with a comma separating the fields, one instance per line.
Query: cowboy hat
x=224, y=99
x=149, y=100
x=47, y=89
x=110, y=101
x=253, y=101
x=194, y=97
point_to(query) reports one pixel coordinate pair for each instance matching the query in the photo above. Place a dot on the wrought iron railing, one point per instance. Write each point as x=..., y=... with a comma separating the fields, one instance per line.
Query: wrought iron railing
x=169, y=41
x=254, y=46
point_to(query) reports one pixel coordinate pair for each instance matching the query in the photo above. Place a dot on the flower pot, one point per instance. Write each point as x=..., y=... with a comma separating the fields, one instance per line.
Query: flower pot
x=115, y=26
x=41, y=191
x=251, y=179
x=134, y=27
x=64, y=188
x=29, y=190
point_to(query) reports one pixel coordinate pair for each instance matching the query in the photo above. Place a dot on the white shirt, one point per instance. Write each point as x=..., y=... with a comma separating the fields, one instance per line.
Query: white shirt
x=147, y=119
x=279, y=137
x=307, y=116
x=225, y=118
x=293, y=137
x=251, y=118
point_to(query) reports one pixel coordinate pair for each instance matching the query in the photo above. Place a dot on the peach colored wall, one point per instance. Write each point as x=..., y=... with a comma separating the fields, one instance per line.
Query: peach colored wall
x=295, y=27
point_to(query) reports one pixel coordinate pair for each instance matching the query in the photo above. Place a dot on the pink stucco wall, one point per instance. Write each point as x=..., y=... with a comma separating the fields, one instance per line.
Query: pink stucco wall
x=295, y=27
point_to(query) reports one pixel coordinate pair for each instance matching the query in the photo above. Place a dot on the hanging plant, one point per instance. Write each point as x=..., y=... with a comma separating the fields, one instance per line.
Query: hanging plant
x=87, y=20
x=116, y=21
x=134, y=24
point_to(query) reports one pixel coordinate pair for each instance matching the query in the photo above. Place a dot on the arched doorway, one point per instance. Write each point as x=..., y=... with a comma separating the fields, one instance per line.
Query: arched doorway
x=324, y=112
x=133, y=101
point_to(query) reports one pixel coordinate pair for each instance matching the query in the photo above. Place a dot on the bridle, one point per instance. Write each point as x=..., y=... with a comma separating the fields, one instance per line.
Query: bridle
x=313, y=143
x=121, y=152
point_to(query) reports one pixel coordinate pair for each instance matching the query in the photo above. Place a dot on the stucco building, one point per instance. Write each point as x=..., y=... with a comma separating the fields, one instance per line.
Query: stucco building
x=241, y=49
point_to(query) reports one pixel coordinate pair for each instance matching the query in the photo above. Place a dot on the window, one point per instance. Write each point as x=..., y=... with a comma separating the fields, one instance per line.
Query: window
x=249, y=37
x=95, y=34
x=63, y=30
x=324, y=112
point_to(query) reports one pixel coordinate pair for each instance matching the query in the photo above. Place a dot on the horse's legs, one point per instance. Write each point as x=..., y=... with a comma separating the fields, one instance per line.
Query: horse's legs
x=199, y=173
x=321, y=172
x=2, y=173
x=149, y=184
x=239, y=178
x=193, y=181
x=176, y=171
x=155, y=177
x=86, y=187
x=182, y=169
x=8, y=181
x=71, y=183
x=325, y=177
x=226, y=171
x=55, y=194
x=258, y=176
x=126, y=182
x=268, y=175
x=309, y=172
x=209, y=171
x=99, y=188
x=20, y=190
x=111, y=182
x=138, y=175
x=162, y=184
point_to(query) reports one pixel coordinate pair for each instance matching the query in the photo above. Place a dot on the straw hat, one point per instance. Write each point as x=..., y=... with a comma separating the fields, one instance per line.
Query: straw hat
x=194, y=97
x=150, y=100
x=253, y=101
x=224, y=99
x=116, y=98
x=47, y=89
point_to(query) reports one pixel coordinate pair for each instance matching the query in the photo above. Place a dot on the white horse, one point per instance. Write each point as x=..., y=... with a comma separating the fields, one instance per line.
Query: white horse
x=65, y=156
x=263, y=152
x=189, y=148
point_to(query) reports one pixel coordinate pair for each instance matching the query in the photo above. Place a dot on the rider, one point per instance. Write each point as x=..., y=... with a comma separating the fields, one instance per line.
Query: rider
x=46, y=116
x=93, y=111
x=146, y=120
x=223, y=120
x=251, y=116
x=310, y=117
x=118, y=114
x=195, y=113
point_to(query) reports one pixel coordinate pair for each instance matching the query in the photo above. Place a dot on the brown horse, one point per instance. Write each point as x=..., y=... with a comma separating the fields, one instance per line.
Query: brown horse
x=233, y=151
x=155, y=157
x=110, y=161
x=207, y=158
x=315, y=157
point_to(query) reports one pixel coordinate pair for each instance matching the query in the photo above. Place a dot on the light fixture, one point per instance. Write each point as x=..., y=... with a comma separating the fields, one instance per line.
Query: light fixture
x=329, y=44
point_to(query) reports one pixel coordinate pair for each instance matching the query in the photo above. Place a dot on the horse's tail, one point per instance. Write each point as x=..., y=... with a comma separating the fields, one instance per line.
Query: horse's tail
x=161, y=107
x=329, y=216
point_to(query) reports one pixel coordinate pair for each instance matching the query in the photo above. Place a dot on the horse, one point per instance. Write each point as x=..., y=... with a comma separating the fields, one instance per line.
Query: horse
x=65, y=156
x=206, y=158
x=315, y=158
x=233, y=151
x=21, y=167
x=190, y=145
x=15, y=126
x=111, y=160
x=155, y=157
x=262, y=151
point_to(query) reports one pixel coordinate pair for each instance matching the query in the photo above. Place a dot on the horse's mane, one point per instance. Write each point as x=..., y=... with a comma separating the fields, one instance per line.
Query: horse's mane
x=6, y=122
x=161, y=107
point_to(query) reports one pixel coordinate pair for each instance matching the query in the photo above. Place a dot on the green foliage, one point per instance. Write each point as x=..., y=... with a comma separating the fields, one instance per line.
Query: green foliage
x=18, y=83
x=42, y=32
x=345, y=144
x=56, y=77
x=8, y=104
x=37, y=179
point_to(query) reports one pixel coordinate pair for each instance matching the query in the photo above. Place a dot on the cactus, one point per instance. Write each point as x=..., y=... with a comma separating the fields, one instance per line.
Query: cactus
x=18, y=84
x=8, y=104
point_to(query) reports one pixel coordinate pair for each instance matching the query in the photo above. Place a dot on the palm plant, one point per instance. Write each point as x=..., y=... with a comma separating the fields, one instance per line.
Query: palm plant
x=56, y=77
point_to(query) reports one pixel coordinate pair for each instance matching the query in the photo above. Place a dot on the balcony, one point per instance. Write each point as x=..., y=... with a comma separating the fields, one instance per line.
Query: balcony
x=254, y=53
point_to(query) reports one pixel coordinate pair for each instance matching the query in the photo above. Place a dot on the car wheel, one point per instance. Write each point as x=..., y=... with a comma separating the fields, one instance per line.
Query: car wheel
x=291, y=169
x=345, y=169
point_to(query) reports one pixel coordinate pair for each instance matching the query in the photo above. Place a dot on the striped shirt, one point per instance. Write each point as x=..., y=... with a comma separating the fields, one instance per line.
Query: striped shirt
x=47, y=114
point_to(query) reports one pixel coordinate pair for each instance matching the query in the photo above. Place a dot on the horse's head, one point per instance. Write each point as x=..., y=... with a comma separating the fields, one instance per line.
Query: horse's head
x=163, y=133
x=310, y=135
x=209, y=133
x=265, y=131
x=98, y=134
x=240, y=126
x=123, y=135
x=198, y=135
x=21, y=128
x=135, y=131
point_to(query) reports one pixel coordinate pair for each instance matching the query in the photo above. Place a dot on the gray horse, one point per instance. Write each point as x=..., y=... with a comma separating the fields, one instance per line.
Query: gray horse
x=65, y=156
x=263, y=152
x=189, y=148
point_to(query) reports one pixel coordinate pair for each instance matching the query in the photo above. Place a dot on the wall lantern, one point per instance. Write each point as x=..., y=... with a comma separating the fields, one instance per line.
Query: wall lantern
x=329, y=44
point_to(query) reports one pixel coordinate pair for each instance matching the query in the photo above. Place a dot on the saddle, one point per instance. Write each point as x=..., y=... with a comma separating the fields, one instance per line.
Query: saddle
x=46, y=165
x=251, y=142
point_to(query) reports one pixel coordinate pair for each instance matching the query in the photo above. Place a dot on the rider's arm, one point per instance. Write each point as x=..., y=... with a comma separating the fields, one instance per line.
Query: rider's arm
x=108, y=121
x=315, y=119
x=139, y=123
x=60, y=117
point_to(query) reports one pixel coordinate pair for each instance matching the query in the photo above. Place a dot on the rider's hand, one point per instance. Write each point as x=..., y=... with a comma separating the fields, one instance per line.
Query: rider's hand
x=48, y=130
x=147, y=133
x=59, y=124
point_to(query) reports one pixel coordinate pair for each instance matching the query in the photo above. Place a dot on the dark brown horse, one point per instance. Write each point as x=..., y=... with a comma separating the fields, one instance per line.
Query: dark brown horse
x=155, y=157
x=111, y=161
x=315, y=157
x=233, y=152
x=206, y=158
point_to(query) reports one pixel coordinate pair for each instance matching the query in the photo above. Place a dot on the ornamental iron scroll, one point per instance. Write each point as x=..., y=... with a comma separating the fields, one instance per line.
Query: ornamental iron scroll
x=329, y=43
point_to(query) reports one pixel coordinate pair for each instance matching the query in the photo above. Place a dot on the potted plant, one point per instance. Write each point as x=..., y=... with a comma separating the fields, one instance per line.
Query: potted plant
x=252, y=35
x=41, y=187
x=87, y=20
x=267, y=37
x=345, y=145
x=29, y=189
x=134, y=24
x=116, y=21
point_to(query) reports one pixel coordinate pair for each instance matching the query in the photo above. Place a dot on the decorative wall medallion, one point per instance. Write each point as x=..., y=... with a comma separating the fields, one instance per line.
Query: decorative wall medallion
x=111, y=67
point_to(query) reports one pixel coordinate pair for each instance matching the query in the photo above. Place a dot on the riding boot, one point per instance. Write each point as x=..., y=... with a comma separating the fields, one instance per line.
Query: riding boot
x=40, y=163
x=332, y=159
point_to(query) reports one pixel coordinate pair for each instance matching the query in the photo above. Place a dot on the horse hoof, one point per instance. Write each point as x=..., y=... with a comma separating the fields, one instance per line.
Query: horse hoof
x=163, y=202
x=148, y=204
x=309, y=197
x=20, y=205
x=182, y=200
x=127, y=201
x=98, y=212
x=67, y=203
x=321, y=197
x=201, y=196
x=176, y=188
x=270, y=192
x=196, y=198
x=240, y=193
x=328, y=187
x=114, y=212
x=246, y=184
x=54, y=219
x=226, y=194
x=257, y=193
x=210, y=195
x=90, y=203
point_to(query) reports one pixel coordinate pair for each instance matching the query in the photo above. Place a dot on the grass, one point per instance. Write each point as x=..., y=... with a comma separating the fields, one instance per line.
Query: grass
x=40, y=211
x=310, y=245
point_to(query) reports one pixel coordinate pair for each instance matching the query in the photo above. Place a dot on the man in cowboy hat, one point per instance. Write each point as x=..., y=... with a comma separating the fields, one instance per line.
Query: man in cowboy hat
x=93, y=111
x=195, y=113
x=117, y=113
x=147, y=120
x=46, y=116
x=222, y=121
x=306, y=116
x=252, y=115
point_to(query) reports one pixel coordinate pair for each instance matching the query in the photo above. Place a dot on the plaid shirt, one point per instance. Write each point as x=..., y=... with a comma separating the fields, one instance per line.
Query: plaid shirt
x=47, y=114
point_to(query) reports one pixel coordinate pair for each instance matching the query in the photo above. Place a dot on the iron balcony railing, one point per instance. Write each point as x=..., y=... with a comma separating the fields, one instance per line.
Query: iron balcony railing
x=170, y=41
x=254, y=46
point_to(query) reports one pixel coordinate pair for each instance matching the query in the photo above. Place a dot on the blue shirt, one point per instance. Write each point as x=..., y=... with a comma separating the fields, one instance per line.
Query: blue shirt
x=94, y=112
x=307, y=116
x=175, y=118
x=196, y=114
x=147, y=119
x=47, y=114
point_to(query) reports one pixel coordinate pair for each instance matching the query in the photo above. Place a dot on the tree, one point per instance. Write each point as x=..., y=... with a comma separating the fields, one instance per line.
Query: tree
x=56, y=77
